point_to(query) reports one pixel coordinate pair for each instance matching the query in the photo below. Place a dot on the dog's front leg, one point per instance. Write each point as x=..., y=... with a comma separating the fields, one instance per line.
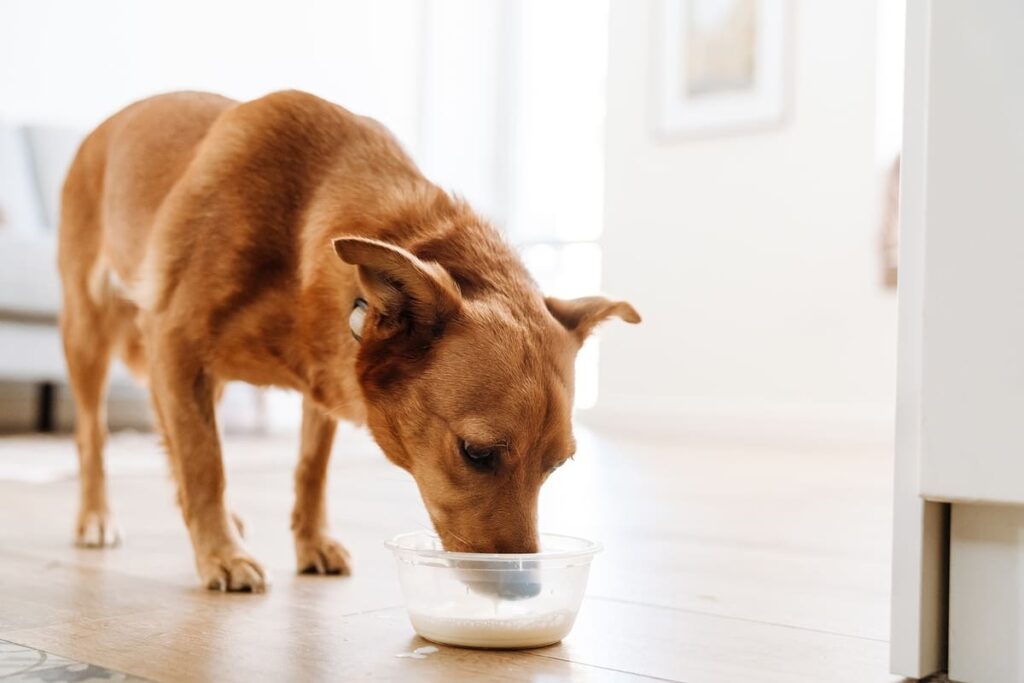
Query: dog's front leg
x=183, y=393
x=315, y=550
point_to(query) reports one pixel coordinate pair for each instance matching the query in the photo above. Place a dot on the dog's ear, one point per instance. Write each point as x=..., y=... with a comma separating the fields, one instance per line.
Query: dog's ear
x=396, y=282
x=581, y=316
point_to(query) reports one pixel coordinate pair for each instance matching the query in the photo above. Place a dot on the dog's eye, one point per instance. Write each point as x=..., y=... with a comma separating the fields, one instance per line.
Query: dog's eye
x=480, y=458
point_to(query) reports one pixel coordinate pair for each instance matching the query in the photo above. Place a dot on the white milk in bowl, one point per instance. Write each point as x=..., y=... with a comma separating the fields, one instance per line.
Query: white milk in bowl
x=514, y=631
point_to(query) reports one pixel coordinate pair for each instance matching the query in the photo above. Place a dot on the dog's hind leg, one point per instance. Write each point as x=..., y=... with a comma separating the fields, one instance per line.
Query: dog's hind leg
x=90, y=321
x=87, y=347
x=316, y=552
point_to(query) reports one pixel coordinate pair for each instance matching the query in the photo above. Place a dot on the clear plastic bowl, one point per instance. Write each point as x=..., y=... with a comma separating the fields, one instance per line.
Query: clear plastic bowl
x=504, y=601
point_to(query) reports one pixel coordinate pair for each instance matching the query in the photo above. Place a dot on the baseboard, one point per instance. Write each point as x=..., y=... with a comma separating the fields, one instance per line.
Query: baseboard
x=18, y=403
x=681, y=418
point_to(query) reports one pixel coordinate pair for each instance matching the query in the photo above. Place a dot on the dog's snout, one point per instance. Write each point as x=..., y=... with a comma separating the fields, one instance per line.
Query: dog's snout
x=498, y=580
x=516, y=547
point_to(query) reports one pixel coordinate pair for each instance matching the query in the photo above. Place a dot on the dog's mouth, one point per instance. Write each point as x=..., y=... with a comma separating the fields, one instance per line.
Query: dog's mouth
x=493, y=578
x=450, y=541
x=454, y=543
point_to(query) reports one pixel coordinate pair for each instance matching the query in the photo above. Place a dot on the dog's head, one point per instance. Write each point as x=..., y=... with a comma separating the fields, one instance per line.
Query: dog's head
x=470, y=389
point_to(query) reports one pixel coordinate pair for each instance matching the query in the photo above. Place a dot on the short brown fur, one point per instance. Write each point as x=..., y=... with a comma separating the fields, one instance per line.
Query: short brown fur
x=196, y=242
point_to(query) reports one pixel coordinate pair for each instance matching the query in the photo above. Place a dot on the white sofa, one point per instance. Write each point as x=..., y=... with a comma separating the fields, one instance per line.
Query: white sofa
x=32, y=166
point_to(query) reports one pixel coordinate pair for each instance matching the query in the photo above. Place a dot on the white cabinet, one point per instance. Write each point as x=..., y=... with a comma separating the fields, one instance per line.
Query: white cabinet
x=972, y=393
x=986, y=599
x=960, y=420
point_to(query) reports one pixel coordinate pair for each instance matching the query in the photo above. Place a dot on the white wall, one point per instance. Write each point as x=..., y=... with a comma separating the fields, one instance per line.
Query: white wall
x=75, y=63
x=752, y=257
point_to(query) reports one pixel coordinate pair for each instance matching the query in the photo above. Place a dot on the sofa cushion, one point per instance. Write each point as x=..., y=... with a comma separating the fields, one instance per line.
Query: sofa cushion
x=20, y=207
x=29, y=285
x=52, y=150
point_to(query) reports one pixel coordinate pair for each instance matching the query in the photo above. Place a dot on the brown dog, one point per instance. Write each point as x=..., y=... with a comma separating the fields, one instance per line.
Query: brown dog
x=200, y=240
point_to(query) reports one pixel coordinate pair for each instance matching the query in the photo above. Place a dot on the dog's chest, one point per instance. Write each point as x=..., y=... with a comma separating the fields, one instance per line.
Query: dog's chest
x=314, y=355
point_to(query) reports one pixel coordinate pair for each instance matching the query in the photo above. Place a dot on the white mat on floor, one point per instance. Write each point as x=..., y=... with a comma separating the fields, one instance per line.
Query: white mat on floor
x=38, y=459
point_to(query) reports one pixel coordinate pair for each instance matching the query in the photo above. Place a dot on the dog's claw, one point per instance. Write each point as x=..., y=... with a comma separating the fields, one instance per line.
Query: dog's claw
x=97, y=530
x=239, y=524
x=234, y=572
x=322, y=555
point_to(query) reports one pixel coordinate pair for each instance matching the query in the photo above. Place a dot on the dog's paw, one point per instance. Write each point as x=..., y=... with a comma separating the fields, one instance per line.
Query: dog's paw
x=97, y=530
x=232, y=570
x=321, y=554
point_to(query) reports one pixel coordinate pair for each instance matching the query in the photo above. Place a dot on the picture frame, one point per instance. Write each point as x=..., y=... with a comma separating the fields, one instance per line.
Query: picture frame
x=724, y=66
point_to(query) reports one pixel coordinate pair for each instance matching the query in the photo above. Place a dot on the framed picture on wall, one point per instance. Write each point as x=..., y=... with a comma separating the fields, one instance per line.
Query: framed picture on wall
x=723, y=65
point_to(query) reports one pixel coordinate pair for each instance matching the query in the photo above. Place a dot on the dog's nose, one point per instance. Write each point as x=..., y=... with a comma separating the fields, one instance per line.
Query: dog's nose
x=518, y=585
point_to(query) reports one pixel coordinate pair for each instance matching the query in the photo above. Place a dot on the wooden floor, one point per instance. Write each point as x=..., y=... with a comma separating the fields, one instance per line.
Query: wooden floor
x=726, y=559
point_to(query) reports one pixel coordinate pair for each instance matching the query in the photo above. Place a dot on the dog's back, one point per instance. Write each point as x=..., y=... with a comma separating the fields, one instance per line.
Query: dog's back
x=168, y=193
x=119, y=178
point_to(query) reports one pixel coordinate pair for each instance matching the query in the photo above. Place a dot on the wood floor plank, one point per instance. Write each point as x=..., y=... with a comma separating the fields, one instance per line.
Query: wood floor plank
x=724, y=561
x=262, y=639
x=705, y=648
x=236, y=637
x=797, y=535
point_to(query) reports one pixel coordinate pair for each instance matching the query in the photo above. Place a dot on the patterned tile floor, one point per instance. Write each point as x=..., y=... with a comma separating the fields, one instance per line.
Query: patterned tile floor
x=28, y=665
